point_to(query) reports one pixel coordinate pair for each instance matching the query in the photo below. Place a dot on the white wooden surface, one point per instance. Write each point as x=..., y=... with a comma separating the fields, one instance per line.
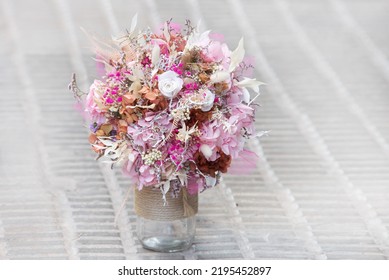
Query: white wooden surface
x=321, y=187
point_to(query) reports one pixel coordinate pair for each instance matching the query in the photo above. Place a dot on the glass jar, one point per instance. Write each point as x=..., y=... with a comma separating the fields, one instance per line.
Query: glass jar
x=165, y=225
x=166, y=236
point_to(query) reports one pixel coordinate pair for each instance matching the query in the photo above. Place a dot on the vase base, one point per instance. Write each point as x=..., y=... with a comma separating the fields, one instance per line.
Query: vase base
x=165, y=244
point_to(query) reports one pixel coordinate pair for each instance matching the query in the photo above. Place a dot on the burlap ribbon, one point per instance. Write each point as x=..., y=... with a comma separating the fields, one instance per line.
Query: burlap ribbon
x=149, y=204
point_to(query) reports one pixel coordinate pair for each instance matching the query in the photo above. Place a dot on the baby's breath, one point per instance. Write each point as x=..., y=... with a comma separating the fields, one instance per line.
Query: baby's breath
x=151, y=157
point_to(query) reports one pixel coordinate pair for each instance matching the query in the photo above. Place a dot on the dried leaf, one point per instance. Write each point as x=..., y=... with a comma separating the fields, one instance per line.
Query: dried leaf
x=92, y=138
x=151, y=95
x=105, y=141
x=246, y=95
x=109, y=152
x=182, y=176
x=155, y=55
x=129, y=119
x=159, y=42
x=237, y=56
x=128, y=99
x=138, y=73
x=143, y=107
x=166, y=32
x=123, y=126
x=135, y=87
x=97, y=147
x=144, y=90
x=164, y=189
x=251, y=83
x=262, y=133
x=198, y=25
x=107, y=128
x=155, y=71
x=134, y=22
x=100, y=132
x=105, y=51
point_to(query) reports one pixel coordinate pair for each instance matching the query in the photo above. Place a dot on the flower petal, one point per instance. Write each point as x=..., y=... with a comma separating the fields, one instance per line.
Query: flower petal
x=155, y=54
x=246, y=95
x=251, y=83
x=206, y=150
x=237, y=56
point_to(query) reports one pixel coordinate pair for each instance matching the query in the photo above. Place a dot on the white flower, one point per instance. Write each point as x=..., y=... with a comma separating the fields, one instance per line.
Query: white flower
x=169, y=84
x=207, y=104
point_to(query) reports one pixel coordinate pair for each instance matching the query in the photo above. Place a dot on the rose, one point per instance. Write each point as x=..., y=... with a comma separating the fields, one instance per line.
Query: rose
x=169, y=84
x=204, y=99
x=207, y=103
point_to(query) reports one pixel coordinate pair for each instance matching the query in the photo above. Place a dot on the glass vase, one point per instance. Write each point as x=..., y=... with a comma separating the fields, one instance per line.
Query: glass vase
x=165, y=225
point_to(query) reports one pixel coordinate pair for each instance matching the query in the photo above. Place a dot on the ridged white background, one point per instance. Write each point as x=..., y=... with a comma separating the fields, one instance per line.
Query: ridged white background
x=321, y=188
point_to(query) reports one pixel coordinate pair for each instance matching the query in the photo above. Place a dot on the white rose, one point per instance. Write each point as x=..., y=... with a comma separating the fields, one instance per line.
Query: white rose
x=169, y=84
x=207, y=104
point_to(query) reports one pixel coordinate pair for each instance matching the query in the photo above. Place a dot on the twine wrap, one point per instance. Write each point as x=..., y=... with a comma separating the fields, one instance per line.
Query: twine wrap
x=149, y=204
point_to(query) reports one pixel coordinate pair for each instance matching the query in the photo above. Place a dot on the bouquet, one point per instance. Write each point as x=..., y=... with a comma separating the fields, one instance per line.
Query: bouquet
x=172, y=107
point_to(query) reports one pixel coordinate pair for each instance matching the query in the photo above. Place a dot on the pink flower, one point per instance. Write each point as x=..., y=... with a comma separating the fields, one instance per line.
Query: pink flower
x=143, y=132
x=147, y=176
x=215, y=51
x=211, y=135
x=195, y=183
x=226, y=56
x=93, y=102
x=129, y=168
x=244, y=117
x=232, y=145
